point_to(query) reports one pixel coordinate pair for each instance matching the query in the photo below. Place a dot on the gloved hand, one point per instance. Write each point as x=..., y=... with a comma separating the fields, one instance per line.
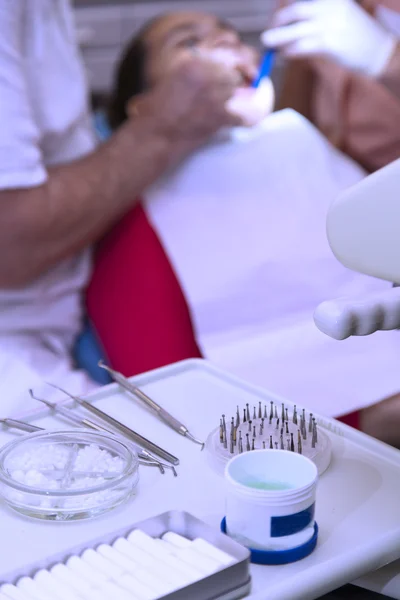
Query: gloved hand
x=337, y=29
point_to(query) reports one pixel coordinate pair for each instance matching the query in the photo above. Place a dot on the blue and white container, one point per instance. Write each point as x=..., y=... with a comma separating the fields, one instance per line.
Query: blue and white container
x=270, y=504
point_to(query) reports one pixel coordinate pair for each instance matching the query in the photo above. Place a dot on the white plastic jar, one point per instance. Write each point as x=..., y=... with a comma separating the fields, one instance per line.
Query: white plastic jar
x=270, y=499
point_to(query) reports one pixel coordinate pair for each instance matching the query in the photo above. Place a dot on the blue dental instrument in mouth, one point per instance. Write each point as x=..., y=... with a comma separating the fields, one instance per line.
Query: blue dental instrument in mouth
x=265, y=68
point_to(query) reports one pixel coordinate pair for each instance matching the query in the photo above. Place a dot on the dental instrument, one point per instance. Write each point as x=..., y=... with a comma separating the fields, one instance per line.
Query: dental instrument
x=146, y=458
x=21, y=425
x=160, y=412
x=300, y=434
x=265, y=68
x=124, y=429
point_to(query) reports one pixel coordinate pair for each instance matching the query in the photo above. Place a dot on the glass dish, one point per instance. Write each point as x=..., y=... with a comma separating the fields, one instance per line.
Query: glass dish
x=67, y=475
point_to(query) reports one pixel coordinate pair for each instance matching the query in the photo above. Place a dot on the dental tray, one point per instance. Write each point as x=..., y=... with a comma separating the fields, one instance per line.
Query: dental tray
x=357, y=507
x=230, y=583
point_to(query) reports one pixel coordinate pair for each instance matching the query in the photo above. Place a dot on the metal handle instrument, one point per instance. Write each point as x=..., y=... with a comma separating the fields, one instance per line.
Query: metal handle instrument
x=21, y=425
x=150, y=403
x=147, y=458
x=124, y=429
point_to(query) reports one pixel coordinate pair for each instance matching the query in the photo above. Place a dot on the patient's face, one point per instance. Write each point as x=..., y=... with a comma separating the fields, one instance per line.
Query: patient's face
x=177, y=34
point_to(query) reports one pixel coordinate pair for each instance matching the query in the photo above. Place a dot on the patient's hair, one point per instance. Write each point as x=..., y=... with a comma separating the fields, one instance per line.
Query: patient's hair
x=130, y=77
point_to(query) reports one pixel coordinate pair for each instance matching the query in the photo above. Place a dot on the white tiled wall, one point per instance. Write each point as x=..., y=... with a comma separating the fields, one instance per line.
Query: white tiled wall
x=103, y=29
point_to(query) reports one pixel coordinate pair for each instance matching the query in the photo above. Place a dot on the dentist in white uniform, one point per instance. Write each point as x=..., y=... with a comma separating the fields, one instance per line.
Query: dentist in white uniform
x=59, y=194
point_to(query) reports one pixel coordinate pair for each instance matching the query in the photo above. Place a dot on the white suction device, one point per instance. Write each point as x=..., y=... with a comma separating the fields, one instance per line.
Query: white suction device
x=363, y=228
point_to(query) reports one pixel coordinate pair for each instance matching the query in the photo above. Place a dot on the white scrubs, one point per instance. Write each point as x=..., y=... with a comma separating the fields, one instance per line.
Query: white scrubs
x=243, y=222
x=44, y=122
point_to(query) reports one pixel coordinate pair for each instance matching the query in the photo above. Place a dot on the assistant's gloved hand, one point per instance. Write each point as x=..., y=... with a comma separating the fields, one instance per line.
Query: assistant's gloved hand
x=337, y=29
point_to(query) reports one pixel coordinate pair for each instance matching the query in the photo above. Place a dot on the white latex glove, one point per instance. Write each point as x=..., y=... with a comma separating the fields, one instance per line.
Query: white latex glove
x=253, y=105
x=337, y=29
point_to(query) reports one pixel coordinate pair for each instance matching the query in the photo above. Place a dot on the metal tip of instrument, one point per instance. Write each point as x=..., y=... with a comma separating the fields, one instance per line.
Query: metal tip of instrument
x=259, y=410
x=254, y=431
x=291, y=443
x=275, y=412
x=232, y=446
x=281, y=440
x=287, y=415
x=299, y=442
x=262, y=426
x=288, y=444
x=277, y=424
x=244, y=416
x=283, y=412
x=190, y=436
x=265, y=412
x=252, y=444
x=221, y=432
x=46, y=402
x=248, y=412
x=254, y=413
x=250, y=422
x=315, y=431
x=272, y=410
x=237, y=417
x=270, y=443
x=247, y=443
x=287, y=427
x=310, y=423
x=295, y=415
x=264, y=446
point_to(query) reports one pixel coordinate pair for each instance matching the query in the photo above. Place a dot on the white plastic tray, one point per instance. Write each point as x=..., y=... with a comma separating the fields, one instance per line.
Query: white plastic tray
x=357, y=505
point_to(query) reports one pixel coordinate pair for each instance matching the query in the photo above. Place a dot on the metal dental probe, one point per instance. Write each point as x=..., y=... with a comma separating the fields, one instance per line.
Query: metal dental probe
x=21, y=425
x=160, y=412
x=295, y=415
x=148, y=458
x=310, y=423
x=237, y=417
x=126, y=431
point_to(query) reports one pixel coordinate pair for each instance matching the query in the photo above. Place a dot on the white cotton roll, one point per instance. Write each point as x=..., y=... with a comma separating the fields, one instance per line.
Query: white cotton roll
x=140, y=591
x=70, y=578
x=11, y=591
x=176, y=540
x=26, y=584
x=150, y=564
x=49, y=583
x=188, y=572
x=112, y=591
x=4, y=597
x=216, y=554
x=168, y=548
x=94, y=577
x=97, y=561
x=197, y=560
x=146, y=577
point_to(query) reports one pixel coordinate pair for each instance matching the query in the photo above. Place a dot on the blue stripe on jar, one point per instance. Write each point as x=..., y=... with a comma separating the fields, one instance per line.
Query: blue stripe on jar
x=290, y=524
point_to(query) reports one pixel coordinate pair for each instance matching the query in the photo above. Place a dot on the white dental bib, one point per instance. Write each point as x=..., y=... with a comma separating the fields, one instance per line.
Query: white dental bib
x=243, y=224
